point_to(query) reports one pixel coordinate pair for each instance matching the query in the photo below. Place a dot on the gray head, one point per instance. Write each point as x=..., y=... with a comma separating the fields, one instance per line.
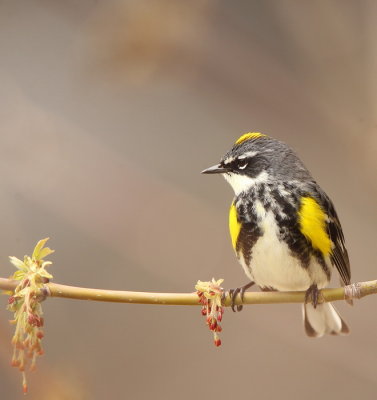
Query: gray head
x=256, y=158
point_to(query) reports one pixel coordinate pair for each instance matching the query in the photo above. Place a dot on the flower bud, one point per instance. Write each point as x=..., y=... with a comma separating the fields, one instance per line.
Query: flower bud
x=15, y=363
x=31, y=319
x=213, y=325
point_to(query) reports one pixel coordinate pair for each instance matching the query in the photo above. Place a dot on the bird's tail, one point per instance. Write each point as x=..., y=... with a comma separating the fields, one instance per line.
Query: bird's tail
x=323, y=319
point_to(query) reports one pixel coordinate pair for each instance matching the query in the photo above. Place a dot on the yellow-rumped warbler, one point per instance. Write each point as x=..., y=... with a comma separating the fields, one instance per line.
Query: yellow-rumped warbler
x=283, y=226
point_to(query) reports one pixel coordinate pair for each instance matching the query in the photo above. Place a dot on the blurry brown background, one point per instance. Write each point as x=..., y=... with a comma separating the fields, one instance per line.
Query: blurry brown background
x=108, y=112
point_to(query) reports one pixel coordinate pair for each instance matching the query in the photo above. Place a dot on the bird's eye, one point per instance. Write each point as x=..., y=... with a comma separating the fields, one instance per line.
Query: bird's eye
x=242, y=165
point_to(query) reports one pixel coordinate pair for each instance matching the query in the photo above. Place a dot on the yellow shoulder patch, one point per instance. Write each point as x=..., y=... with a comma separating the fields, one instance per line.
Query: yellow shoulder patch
x=249, y=135
x=234, y=225
x=312, y=221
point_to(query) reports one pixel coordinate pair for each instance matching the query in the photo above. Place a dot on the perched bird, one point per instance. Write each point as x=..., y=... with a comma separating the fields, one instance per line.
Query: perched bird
x=283, y=226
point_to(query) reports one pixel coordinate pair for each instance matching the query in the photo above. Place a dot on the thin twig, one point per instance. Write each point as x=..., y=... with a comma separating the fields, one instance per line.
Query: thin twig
x=356, y=290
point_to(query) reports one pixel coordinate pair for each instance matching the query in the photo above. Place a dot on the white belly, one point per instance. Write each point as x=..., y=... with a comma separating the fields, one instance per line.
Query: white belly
x=272, y=264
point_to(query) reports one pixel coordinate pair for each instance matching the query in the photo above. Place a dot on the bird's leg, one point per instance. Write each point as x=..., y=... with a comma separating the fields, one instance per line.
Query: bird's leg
x=233, y=293
x=312, y=295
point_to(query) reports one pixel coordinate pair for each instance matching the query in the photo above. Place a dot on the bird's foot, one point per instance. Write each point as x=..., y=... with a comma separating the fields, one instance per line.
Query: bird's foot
x=312, y=295
x=233, y=293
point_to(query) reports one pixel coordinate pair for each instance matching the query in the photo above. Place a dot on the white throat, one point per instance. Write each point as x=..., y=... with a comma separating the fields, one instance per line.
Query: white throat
x=242, y=183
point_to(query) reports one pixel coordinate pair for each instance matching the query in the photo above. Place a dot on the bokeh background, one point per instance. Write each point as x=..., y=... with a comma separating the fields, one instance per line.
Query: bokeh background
x=108, y=112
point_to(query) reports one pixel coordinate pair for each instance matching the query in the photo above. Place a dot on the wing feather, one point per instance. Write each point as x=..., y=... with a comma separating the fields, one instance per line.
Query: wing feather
x=339, y=255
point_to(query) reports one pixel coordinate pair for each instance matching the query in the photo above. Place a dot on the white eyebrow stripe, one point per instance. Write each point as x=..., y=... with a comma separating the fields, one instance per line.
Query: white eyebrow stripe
x=249, y=154
x=229, y=160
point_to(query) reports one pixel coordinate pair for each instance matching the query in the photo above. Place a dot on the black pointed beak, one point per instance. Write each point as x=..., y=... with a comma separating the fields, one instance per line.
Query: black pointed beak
x=216, y=169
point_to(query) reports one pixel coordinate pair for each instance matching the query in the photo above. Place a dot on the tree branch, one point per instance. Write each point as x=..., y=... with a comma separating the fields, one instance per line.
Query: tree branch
x=356, y=290
x=28, y=287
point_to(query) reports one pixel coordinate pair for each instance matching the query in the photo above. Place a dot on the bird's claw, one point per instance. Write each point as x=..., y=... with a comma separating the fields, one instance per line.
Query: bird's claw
x=233, y=293
x=312, y=295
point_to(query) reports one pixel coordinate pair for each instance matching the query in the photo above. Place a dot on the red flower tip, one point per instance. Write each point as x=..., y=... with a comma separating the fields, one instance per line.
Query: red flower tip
x=217, y=342
x=213, y=325
x=19, y=346
x=15, y=363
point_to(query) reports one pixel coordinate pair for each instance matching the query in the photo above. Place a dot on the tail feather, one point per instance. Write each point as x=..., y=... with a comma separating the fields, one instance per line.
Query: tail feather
x=323, y=319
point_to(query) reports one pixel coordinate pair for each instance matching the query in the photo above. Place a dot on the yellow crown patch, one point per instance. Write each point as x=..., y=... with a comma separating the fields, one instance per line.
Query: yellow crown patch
x=249, y=135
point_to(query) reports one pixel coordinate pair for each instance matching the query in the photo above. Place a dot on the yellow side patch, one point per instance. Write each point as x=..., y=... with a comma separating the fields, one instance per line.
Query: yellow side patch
x=249, y=135
x=312, y=221
x=234, y=225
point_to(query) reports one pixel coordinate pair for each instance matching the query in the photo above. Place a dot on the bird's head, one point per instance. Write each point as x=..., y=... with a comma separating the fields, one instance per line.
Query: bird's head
x=256, y=158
